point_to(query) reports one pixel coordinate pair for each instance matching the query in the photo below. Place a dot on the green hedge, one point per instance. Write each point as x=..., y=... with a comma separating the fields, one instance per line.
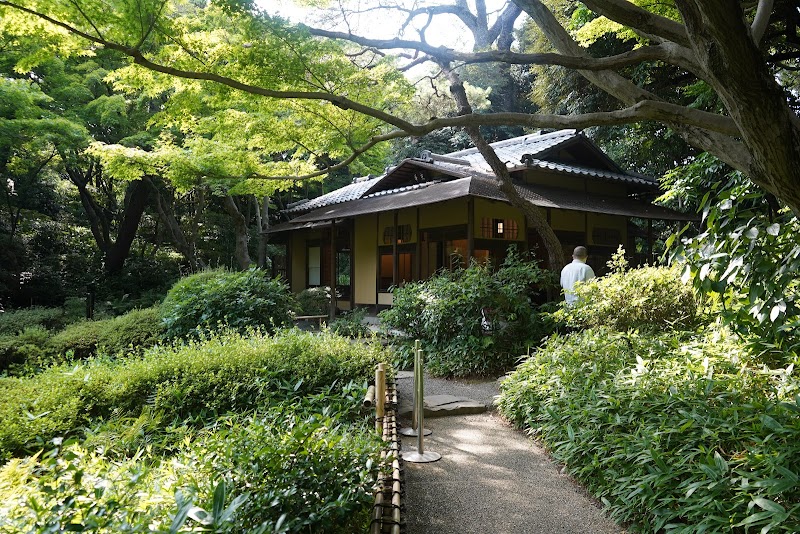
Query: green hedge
x=137, y=329
x=199, y=379
x=13, y=322
x=679, y=432
x=651, y=298
x=237, y=300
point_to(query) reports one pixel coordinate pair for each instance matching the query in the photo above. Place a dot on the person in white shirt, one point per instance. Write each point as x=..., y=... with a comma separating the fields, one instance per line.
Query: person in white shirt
x=577, y=271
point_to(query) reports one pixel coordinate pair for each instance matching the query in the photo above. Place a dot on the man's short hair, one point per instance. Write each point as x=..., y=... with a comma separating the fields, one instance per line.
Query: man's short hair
x=580, y=252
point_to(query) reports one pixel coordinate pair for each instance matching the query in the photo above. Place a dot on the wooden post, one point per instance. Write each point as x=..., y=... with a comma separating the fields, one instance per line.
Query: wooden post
x=332, y=310
x=649, y=241
x=470, y=229
x=394, y=251
x=380, y=396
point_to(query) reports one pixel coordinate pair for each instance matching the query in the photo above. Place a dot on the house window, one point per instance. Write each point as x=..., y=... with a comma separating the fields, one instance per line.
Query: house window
x=405, y=267
x=512, y=229
x=403, y=234
x=388, y=235
x=486, y=227
x=499, y=228
x=314, y=266
x=386, y=274
x=606, y=236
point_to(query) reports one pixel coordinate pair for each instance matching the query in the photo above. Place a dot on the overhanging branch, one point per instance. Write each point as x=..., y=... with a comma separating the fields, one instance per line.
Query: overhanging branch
x=441, y=53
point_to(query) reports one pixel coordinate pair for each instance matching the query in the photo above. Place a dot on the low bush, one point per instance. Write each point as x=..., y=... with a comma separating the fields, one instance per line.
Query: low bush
x=473, y=321
x=201, y=379
x=651, y=298
x=313, y=301
x=13, y=322
x=289, y=469
x=236, y=300
x=351, y=324
x=675, y=433
x=29, y=346
x=137, y=329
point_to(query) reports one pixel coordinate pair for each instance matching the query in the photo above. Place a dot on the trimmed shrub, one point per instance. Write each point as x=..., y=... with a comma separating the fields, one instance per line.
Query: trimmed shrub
x=136, y=329
x=673, y=432
x=236, y=300
x=652, y=298
x=473, y=321
x=13, y=322
x=313, y=301
x=201, y=379
x=29, y=346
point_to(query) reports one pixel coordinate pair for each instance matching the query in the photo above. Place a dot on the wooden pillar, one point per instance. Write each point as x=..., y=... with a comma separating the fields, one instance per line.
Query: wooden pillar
x=352, y=264
x=394, y=251
x=332, y=311
x=289, y=264
x=470, y=229
x=418, y=254
x=378, y=244
x=649, y=240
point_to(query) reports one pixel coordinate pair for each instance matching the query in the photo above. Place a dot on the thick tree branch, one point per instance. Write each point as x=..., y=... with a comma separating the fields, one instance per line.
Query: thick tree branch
x=761, y=20
x=663, y=52
x=633, y=16
x=729, y=150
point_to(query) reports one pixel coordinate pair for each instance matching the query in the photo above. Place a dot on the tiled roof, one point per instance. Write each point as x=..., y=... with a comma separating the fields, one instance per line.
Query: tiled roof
x=470, y=163
x=549, y=197
x=512, y=150
x=433, y=192
x=343, y=194
x=585, y=171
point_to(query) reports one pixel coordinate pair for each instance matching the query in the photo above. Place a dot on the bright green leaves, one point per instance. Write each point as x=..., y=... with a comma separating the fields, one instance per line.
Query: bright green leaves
x=589, y=27
x=677, y=449
x=747, y=253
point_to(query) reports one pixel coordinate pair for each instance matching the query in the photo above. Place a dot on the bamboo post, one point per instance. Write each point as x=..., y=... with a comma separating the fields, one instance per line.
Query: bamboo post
x=420, y=456
x=380, y=396
x=418, y=371
x=369, y=398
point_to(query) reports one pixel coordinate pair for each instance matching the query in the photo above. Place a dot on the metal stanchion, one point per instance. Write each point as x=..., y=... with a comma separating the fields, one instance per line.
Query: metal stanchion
x=420, y=455
x=418, y=371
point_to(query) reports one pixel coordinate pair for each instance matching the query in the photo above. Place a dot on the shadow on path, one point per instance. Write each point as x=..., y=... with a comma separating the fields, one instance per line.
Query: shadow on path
x=491, y=478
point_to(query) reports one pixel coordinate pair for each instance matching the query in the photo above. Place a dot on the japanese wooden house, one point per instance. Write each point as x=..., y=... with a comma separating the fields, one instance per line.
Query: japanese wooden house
x=433, y=210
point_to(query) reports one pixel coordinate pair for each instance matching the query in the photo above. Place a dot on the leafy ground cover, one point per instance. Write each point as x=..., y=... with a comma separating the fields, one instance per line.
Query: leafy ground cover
x=229, y=433
x=678, y=432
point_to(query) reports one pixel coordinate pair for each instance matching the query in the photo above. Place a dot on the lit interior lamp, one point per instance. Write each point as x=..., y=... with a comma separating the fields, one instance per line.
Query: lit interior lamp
x=500, y=228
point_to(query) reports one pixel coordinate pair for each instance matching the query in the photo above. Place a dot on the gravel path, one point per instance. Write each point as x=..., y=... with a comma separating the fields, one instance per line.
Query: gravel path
x=491, y=478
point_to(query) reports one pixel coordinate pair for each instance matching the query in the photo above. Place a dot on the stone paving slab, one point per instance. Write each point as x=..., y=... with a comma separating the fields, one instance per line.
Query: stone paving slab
x=443, y=406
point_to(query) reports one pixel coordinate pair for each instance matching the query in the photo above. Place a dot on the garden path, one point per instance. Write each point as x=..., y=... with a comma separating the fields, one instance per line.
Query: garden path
x=491, y=478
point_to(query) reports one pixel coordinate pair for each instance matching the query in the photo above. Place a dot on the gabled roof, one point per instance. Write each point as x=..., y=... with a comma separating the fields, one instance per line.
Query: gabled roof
x=543, y=151
x=434, y=192
x=343, y=194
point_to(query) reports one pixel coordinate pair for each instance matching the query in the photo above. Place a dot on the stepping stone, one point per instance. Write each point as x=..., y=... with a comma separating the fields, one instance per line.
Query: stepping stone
x=404, y=374
x=444, y=405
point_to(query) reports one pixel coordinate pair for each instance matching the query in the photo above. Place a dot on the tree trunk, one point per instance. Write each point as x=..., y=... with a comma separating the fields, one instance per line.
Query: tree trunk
x=135, y=201
x=262, y=222
x=533, y=215
x=242, y=254
x=723, y=45
x=176, y=234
